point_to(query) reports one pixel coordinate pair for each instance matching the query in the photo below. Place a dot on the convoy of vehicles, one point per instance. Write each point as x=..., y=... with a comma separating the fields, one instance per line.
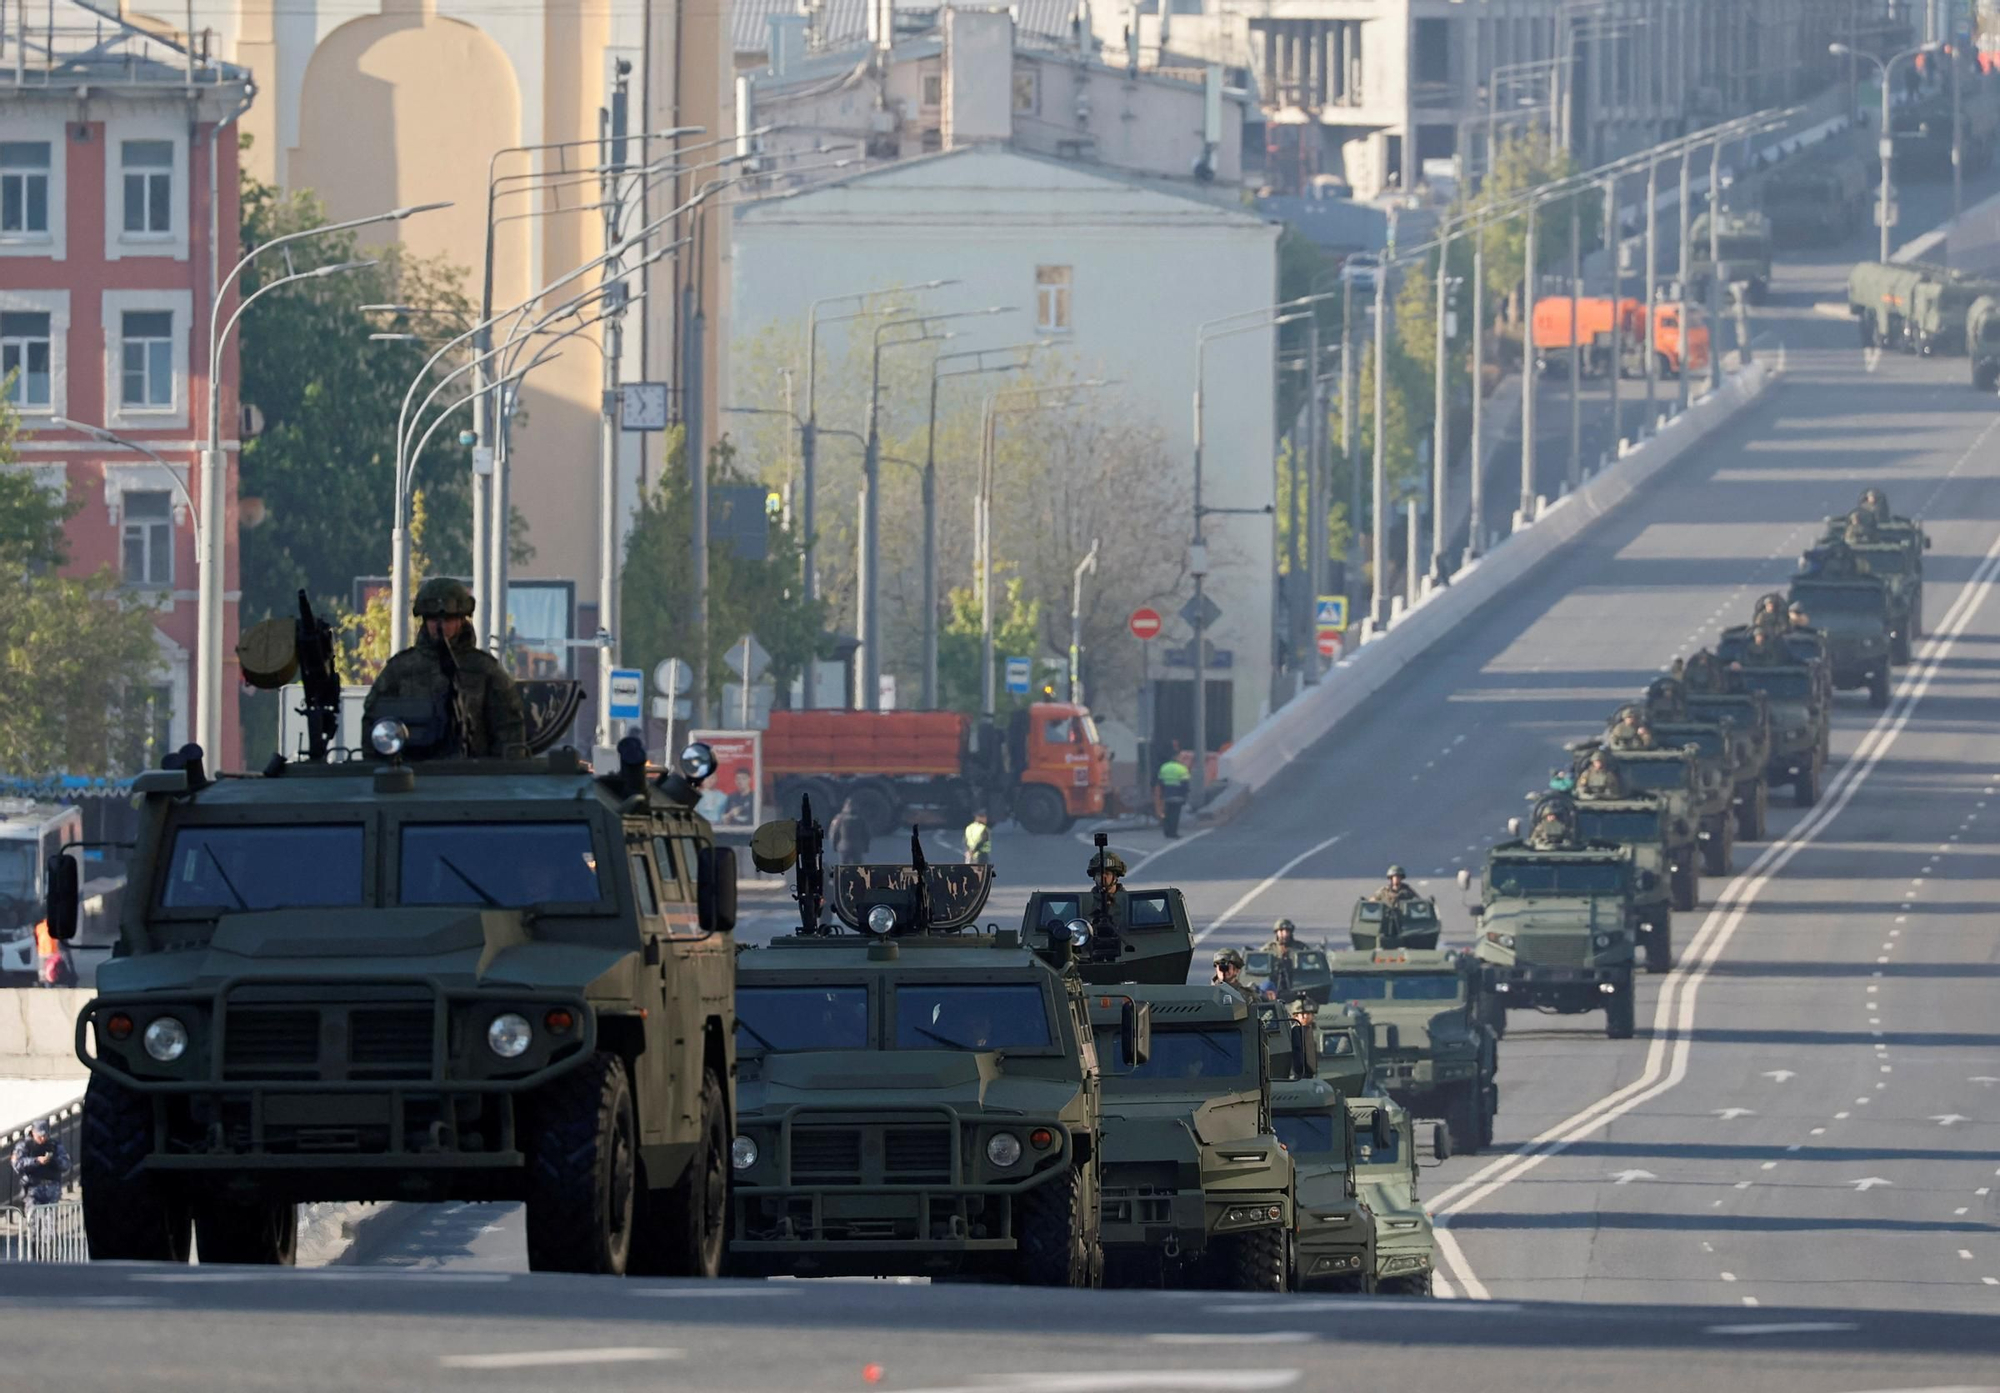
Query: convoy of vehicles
x=1914, y=306
x=1743, y=242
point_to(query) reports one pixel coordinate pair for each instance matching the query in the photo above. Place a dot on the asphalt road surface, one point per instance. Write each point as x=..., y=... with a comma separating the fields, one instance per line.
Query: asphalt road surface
x=1786, y=1181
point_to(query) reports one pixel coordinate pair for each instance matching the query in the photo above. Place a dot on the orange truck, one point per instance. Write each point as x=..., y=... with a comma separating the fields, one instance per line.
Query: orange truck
x=1595, y=315
x=1046, y=768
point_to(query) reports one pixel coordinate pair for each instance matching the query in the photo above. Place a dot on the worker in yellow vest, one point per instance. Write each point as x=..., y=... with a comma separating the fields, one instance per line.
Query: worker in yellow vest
x=1173, y=781
x=978, y=841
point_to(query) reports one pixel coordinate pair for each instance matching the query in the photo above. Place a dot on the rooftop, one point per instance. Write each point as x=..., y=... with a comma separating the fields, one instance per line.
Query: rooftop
x=66, y=44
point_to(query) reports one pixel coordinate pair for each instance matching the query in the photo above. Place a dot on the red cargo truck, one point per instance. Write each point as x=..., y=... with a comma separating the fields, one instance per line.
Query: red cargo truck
x=1045, y=768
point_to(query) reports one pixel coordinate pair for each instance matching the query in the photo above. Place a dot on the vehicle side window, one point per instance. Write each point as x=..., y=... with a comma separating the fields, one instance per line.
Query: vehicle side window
x=670, y=875
x=1056, y=732
x=642, y=885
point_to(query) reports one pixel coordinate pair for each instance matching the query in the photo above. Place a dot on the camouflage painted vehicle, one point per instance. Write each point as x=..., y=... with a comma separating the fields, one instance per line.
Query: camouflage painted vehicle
x=917, y=1099
x=1674, y=779
x=1818, y=197
x=1941, y=312
x=1433, y=1050
x=1982, y=341
x=1335, y=1240
x=1660, y=843
x=1744, y=241
x=1411, y=923
x=476, y=979
x=1558, y=926
x=1852, y=616
x=1198, y=1190
x=1386, y=1174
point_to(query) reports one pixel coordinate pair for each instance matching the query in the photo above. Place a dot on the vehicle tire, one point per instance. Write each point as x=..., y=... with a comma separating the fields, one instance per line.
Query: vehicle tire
x=1039, y=809
x=1715, y=851
x=1406, y=1286
x=1660, y=946
x=1805, y=788
x=875, y=805
x=683, y=1230
x=1489, y=1108
x=1054, y=1250
x=1878, y=691
x=581, y=1138
x=264, y=1234
x=1750, y=815
x=127, y=1215
x=1260, y=1260
x=1619, y=1012
x=1461, y=1119
x=1899, y=646
x=1685, y=882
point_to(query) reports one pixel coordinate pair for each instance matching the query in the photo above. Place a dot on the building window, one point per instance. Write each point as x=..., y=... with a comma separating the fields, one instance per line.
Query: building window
x=1052, y=299
x=25, y=346
x=933, y=87
x=149, y=538
x=149, y=187
x=1027, y=91
x=24, y=188
x=147, y=364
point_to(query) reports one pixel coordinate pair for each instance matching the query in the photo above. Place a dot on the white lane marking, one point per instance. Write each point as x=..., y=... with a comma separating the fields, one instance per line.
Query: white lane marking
x=560, y=1358
x=1232, y=1337
x=1134, y=1380
x=1950, y=1388
x=1266, y=883
x=1176, y=845
x=1333, y=1305
x=1869, y=1183
x=1786, y=1327
x=699, y=1292
x=1673, y=1021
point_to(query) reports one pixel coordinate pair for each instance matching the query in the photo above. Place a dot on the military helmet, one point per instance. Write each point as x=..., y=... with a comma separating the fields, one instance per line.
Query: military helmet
x=1395, y=871
x=1770, y=602
x=1107, y=861
x=1228, y=955
x=1303, y=1005
x=440, y=597
x=1286, y=925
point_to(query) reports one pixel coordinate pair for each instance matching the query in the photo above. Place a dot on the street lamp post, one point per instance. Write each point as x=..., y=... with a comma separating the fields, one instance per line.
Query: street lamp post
x=1886, y=143
x=1087, y=566
x=1529, y=275
x=1476, y=445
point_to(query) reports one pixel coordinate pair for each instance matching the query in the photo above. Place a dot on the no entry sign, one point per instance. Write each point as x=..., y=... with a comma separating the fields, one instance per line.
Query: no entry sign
x=1144, y=624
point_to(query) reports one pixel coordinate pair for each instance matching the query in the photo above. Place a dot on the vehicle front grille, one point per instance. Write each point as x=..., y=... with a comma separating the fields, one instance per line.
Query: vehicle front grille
x=916, y=1154
x=270, y=1044
x=826, y=1153
x=1553, y=950
x=390, y=1043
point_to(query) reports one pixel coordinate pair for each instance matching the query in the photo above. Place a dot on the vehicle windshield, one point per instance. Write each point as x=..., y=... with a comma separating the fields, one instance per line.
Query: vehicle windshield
x=1627, y=825
x=784, y=1019
x=1366, y=1152
x=1337, y=1042
x=1305, y=1133
x=1742, y=249
x=1204, y=1052
x=1653, y=773
x=1709, y=742
x=1558, y=877
x=300, y=866
x=1839, y=599
x=1350, y=987
x=1890, y=560
x=17, y=869
x=972, y=1016
x=498, y=865
x=1442, y=986
x=1793, y=683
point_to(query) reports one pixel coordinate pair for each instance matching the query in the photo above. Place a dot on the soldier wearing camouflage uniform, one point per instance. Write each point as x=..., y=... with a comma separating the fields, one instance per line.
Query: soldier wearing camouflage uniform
x=1860, y=528
x=1229, y=973
x=1877, y=502
x=1396, y=891
x=1283, y=940
x=1555, y=824
x=1600, y=779
x=486, y=700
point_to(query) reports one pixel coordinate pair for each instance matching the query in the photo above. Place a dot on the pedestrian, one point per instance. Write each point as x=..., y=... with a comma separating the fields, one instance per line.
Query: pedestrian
x=1173, y=784
x=979, y=840
x=40, y=1162
x=849, y=836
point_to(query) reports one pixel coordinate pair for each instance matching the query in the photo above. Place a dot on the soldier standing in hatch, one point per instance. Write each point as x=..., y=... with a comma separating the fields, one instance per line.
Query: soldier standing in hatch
x=1396, y=891
x=1600, y=779
x=1553, y=827
x=1229, y=973
x=1877, y=502
x=486, y=700
x=1860, y=528
x=1284, y=938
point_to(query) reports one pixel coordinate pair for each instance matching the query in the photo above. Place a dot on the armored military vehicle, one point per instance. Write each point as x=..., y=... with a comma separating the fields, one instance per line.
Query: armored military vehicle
x=1347, y=1048
x=1282, y=976
x=476, y=979
x=1335, y=1242
x=1940, y=311
x=1386, y=1175
x=1818, y=197
x=1433, y=1051
x=1738, y=752
x=1748, y=716
x=1557, y=918
x=1852, y=615
x=917, y=1099
x=1744, y=241
x=1683, y=788
x=1880, y=296
x=1661, y=842
x=1982, y=341
x=1411, y=923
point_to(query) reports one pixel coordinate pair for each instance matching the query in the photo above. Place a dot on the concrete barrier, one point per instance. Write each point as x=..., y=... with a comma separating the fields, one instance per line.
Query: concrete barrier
x=38, y=1032
x=1288, y=732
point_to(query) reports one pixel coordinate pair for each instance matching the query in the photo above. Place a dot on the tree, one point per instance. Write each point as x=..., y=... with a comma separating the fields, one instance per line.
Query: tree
x=1519, y=165
x=1017, y=625
x=78, y=655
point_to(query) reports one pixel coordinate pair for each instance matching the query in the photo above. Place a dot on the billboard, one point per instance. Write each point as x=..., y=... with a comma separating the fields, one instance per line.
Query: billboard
x=733, y=799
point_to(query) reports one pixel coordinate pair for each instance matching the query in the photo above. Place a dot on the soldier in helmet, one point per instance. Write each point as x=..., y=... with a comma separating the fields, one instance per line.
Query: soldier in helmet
x=1769, y=606
x=1877, y=502
x=475, y=709
x=1229, y=973
x=1600, y=778
x=1283, y=940
x=1767, y=648
x=1397, y=890
x=1555, y=824
x=1305, y=1011
x=1860, y=528
x=1797, y=618
x=1107, y=872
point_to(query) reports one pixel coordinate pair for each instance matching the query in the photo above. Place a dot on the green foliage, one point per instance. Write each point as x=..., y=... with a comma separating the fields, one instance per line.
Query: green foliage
x=1017, y=624
x=77, y=653
x=758, y=597
x=1518, y=165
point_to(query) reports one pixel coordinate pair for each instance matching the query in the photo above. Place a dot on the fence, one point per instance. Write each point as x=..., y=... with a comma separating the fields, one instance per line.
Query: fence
x=43, y=1233
x=66, y=1126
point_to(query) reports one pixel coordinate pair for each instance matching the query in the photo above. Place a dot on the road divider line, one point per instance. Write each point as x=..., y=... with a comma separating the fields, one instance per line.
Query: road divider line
x=1266, y=883
x=560, y=1358
x=1666, y=1058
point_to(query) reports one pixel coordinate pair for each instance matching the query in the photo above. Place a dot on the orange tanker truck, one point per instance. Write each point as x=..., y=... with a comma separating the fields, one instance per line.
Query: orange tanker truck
x=1594, y=318
x=1046, y=768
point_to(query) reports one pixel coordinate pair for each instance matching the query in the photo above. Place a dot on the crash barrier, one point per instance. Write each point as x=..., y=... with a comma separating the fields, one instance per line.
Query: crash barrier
x=38, y=1031
x=1288, y=732
x=43, y=1233
x=65, y=1125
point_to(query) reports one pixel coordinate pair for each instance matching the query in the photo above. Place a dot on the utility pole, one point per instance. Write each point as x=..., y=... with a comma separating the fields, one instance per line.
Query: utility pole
x=1312, y=531
x=1347, y=424
x=1474, y=538
x=1573, y=475
x=1646, y=295
x=1615, y=242
x=1087, y=566
x=1715, y=265
x=1528, y=384
x=1378, y=592
x=1686, y=330
x=612, y=188
x=1440, y=404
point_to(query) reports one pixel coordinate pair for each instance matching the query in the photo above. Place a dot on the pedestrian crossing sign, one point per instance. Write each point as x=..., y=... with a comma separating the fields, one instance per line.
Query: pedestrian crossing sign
x=1330, y=614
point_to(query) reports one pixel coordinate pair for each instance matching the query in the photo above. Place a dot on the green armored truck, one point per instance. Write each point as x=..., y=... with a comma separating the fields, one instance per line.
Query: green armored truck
x=1655, y=836
x=1335, y=1240
x=1406, y=923
x=460, y=979
x=1433, y=1050
x=1880, y=297
x=1747, y=716
x=1743, y=240
x=1557, y=918
x=1303, y=971
x=917, y=1099
x=1386, y=1174
x=1852, y=615
x=1681, y=786
x=1734, y=740
x=1801, y=718
x=1982, y=341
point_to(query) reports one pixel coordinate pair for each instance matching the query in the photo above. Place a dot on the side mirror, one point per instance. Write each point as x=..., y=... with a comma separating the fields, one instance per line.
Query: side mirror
x=1649, y=880
x=1513, y=826
x=1477, y=911
x=1388, y=1037
x=1927, y=542
x=1464, y=878
x=715, y=889
x=1381, y=1133
x=1135, y=1032
x=1305, y=1052
x=1440, y=1142
x=65, y=896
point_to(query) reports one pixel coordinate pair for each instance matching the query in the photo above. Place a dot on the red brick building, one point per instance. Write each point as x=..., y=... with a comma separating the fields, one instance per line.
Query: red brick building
x=118, y=215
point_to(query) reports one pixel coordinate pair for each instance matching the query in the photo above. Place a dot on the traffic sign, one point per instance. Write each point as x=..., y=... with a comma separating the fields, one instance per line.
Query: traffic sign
x=1329, y=643
x=1019, y=671
x=1205, y=613
x=747, y=658
x=1144, y=624
x=671, y=677
x=1330, y=614
x=626, y=684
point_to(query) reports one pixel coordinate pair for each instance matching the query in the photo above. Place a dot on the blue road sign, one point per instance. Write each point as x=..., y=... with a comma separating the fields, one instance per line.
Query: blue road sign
x=1330, y=613
x=1019, y=671
x=627, y=684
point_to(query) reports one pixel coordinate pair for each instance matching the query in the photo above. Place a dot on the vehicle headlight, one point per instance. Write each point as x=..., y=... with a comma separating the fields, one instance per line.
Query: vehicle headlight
x=166, y=1039
x=388, y=737
x=1079, y=933
x=1602, y=940
x=1504, y=940
x=509, y=1035
x=1003, y=1149
x=742, y=1153
x=881, y=920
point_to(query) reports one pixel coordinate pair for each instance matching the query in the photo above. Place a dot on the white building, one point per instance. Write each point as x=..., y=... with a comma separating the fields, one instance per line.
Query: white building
x=1141, y=264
